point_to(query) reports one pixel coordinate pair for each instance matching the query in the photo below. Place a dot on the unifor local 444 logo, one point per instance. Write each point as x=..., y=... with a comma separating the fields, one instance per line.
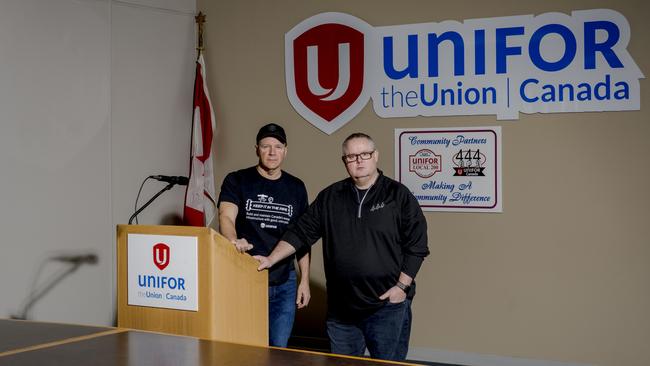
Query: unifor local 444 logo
x=425, y=163
x=469, y=163
x=325, y=68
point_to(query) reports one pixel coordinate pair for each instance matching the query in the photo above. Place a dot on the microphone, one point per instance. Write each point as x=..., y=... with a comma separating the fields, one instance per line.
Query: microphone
x=172, y=180
x=77, y=259
x=180, y=180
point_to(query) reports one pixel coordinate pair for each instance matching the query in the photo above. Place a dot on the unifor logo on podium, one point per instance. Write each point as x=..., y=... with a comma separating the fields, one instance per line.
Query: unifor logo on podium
x=161, y=255
x=163, y=271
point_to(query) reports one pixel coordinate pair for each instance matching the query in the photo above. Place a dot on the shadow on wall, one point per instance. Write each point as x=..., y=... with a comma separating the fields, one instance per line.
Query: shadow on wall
x=171, y=219
x=309, y=331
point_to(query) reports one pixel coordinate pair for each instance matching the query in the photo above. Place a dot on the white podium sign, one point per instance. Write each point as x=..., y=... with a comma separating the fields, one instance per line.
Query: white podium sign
x=163, y=271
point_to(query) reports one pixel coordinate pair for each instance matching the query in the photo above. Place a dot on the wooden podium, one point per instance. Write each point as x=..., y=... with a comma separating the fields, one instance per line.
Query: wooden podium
x=232, y=294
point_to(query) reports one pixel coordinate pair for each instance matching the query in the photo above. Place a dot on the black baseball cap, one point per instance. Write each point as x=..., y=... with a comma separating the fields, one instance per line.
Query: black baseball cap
x=272, y=130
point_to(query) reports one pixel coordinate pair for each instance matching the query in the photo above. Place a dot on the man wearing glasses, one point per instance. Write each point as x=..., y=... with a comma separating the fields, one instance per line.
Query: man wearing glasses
x=255, y=207
x=374, y=241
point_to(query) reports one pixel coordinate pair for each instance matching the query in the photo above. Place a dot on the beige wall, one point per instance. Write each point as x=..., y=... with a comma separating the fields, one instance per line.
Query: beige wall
x=562, y=274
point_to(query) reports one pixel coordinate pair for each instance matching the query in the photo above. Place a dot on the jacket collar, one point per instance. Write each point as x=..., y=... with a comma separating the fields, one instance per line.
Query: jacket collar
x=349, y=183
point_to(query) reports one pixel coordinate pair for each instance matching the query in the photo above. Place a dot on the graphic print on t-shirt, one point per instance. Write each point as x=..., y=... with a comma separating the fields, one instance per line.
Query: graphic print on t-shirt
x=269, y=213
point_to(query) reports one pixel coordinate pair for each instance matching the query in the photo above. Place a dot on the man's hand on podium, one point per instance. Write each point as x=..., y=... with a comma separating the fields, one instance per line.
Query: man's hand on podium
x=281, y=251
x=242, y=245
x=265, y=262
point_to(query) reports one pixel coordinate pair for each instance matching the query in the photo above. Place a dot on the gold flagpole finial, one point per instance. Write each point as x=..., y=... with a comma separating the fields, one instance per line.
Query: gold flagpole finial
x=200, y=19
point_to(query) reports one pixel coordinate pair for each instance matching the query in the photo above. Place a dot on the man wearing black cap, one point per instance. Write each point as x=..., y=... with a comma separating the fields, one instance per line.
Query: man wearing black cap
x=256, y=205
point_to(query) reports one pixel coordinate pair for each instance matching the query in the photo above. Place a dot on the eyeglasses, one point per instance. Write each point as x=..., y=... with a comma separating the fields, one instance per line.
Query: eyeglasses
x=351, y=158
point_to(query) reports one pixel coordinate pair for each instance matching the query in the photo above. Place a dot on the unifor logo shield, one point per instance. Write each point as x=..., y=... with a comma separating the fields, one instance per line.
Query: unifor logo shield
x=326, y=62
x=161, y=255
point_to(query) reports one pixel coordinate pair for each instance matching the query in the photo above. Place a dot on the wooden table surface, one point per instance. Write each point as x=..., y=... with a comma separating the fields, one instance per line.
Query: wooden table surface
x=31, y=343
x=17, y=334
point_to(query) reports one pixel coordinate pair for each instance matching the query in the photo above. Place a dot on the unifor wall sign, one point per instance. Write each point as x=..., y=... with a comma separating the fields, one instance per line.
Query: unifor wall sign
x=548, y=63
x=451, y=169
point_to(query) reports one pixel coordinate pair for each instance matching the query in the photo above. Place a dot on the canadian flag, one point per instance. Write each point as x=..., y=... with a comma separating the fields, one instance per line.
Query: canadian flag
x=200, y=203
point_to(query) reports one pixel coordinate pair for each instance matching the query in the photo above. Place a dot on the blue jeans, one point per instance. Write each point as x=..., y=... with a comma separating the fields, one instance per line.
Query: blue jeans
x=385, y=333
x=282, y=310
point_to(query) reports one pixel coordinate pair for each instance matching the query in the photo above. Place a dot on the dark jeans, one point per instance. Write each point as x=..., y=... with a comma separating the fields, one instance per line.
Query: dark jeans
x=282, y=310
x=385, y=333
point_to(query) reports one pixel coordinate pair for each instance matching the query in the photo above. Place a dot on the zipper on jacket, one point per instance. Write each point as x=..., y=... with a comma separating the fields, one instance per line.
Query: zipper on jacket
x=361, y=199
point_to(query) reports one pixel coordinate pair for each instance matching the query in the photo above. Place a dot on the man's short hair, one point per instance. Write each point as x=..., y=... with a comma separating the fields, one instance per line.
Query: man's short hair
x=358, y=135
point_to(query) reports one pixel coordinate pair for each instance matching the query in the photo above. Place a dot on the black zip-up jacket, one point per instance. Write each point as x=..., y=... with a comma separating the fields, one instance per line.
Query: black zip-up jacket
x=368, y=239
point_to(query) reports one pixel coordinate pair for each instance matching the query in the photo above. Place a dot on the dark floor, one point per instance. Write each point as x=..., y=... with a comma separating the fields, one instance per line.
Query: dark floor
x=322, y=345
x=432, y=363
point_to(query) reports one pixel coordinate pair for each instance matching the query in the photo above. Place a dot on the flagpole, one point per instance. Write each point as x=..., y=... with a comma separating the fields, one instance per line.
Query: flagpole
x=200, y=19
x=200, y=201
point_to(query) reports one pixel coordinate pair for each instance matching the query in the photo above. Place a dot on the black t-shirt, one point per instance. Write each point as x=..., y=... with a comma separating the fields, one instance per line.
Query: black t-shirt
x=266, y=208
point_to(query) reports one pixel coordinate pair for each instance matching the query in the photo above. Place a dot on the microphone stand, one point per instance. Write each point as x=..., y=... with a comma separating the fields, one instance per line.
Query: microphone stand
x=168, y=187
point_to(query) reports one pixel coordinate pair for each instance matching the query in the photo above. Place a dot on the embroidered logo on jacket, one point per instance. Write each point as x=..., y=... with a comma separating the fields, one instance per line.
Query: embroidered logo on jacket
x=377, y=206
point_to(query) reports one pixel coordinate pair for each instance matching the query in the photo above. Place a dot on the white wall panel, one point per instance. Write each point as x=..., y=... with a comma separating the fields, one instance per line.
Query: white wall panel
x=94, y=95
x=54, y=154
